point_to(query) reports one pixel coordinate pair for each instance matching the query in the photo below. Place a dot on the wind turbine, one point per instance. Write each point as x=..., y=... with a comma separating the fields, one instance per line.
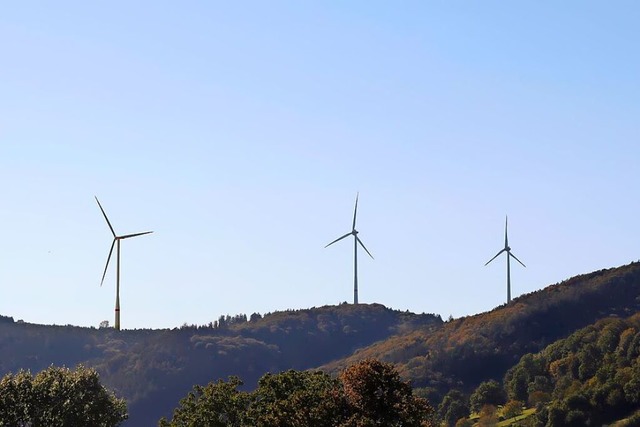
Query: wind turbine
x=507, y=249
x=116, y=239
x=356, y=240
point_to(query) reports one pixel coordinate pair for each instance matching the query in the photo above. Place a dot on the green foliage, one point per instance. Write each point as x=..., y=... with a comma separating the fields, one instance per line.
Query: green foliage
x=15, y=395
x=295, y=398
x=219, y=404
x=469, y=350
x=538, y=397
x=453, y=407
x=59, y=397
x=154, y=369
x=370, y=393
x=517, y=384
x=589, y=374
x=488, y=393
x=512, y=409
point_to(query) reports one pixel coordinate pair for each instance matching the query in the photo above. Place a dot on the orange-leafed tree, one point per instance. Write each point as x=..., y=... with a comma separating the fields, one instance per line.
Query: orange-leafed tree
x=376, y=395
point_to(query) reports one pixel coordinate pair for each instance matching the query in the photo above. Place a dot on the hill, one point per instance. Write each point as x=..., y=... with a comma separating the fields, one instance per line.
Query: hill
x=467, y=351
x=153, y=369
x=591, y=377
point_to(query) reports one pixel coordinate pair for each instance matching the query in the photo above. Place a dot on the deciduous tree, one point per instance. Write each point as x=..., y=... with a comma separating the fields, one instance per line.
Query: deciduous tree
x=512, y=409
x=376, y=395
x=488, y=393
x=59, y=397
x=453, y=407
x=369, y=393
x=218, y=404
x=296, y=399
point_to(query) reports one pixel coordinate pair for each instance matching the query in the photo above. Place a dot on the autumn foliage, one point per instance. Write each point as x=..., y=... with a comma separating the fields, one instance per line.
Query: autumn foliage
x=369, y=393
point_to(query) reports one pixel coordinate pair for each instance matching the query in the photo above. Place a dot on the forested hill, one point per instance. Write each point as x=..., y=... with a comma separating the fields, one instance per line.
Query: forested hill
x=469, y=350
x=153, y=369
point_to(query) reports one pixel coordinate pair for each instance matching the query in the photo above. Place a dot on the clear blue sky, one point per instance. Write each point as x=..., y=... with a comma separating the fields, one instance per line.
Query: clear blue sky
x=240, y=132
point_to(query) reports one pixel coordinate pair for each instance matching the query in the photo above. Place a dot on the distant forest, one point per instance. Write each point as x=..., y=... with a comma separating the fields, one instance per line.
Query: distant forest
x=526, y=351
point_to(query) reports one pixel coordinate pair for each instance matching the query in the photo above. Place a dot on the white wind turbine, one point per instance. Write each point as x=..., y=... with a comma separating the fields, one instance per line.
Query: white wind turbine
x=116, y=239
x=356, y=241
x=507, y=249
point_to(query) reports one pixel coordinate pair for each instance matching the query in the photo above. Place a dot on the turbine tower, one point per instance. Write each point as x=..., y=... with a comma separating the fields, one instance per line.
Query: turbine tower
x=356, y=241
x=507, y=249
x=116, y=239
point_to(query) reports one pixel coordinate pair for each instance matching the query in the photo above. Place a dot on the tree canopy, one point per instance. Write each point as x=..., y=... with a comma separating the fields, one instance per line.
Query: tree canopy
x=58, y=397
x=589, y=378
x=369, y=393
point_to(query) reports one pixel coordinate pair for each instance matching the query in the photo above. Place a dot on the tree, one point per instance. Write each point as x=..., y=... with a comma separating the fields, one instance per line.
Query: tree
x=589, y=358
x=488, y=393
x=453, y=407
x=296, y=399
x=632, y=388
x=540, y=383
x=517, y=383
x=376, y=395
x=369, y=393
x=512, y=409
x=15, y=393
x=218, y=404
x=488, y=416
x=537, y=397
x=59, y=397
x=556, y=415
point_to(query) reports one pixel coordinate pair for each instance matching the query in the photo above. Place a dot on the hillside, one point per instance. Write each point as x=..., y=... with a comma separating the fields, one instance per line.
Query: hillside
x=153, y=369
x=467, y=351
x=591, y=377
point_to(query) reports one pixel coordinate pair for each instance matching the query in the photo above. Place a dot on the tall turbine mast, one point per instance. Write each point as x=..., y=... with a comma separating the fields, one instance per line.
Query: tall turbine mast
x=507, y=249
x=356, y=241
x=116, y=242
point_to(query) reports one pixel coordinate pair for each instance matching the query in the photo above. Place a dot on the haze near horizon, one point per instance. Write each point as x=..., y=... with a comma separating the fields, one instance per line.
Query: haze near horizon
x=240, y=134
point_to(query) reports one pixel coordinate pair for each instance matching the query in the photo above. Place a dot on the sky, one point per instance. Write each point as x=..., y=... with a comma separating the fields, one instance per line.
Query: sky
x=240, y=133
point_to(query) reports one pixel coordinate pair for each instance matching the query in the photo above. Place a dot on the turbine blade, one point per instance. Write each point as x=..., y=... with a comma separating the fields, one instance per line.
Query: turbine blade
x=506, y=239
x=107, y=264
x=514, y=257
x=496, y=256
x=105, y=217
x=126, y=236
x=355, y=211
x=338, y=239
x=364, y=247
